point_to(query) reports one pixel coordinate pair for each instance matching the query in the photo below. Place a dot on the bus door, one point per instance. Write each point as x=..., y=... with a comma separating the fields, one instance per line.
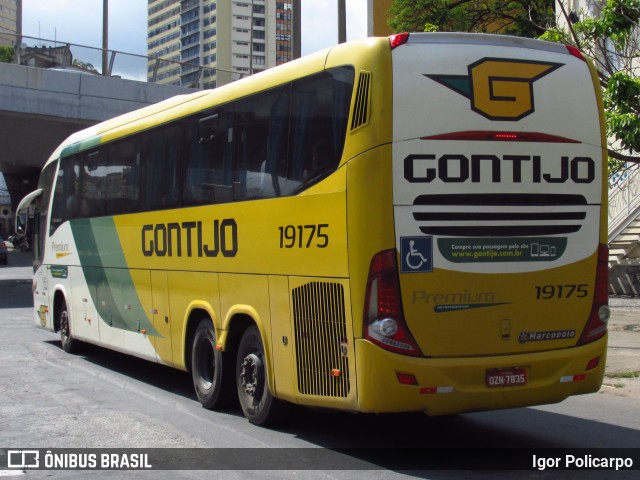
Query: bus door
x=160, y=317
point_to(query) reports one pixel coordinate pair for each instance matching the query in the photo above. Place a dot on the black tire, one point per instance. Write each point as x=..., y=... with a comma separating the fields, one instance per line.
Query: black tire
x=257, y=402
x=211, y=369
x=69, y=344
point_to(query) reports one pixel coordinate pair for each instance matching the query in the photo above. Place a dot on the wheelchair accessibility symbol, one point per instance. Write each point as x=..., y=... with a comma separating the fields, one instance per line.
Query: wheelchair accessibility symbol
x=416, y=254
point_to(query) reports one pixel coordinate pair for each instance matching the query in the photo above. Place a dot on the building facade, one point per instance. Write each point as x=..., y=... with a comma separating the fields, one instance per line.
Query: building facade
x=377, y=17
x=210, y=43
x=10, y=21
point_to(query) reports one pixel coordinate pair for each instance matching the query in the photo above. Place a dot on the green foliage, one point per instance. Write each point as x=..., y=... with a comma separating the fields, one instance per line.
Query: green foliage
x=6, y=54
x=555, y=36
x=611, y=40
x=619, y=19
x=523, y=18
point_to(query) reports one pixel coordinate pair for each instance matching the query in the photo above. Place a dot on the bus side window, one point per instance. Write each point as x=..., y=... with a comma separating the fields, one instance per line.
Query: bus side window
x=320, y=109
x=47, y=177
x=160, y=168
x=65, y=201
x=262, y=124
x=91, y=185
x=209, y=170
x=275, y=165
x=122, y=193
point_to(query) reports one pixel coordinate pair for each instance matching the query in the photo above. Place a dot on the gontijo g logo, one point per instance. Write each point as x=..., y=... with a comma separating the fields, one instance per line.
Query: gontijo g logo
x=499, y=88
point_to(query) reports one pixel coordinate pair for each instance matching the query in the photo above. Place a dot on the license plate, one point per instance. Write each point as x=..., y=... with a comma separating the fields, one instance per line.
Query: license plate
x=506, y=377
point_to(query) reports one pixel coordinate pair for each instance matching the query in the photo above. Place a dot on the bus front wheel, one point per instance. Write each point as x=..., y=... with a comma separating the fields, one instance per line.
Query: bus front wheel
x=211, y=369
x=69, y=344
x=257, y=402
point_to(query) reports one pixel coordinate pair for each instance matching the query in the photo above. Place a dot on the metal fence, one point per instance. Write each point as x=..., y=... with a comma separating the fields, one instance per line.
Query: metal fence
x=624, y=202
x=129, y=66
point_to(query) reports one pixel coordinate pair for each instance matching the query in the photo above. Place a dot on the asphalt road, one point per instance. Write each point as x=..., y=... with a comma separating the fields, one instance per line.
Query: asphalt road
x=101, y=399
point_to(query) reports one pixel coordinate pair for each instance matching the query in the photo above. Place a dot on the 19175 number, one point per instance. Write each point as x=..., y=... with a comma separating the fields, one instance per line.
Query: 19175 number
x=550, y=292
x=304, y=236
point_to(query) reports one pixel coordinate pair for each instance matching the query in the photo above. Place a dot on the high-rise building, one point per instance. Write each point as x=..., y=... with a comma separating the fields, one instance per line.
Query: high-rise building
x=377, y=17
x=10, y=21
x=229, y=38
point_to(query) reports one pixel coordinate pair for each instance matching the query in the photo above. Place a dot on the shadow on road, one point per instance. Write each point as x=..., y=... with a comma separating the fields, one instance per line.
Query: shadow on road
x=476, y=441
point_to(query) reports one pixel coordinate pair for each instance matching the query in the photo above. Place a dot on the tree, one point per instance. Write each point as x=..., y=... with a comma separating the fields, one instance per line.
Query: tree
x=610, y=38
x=522, y=18
x=6, y=54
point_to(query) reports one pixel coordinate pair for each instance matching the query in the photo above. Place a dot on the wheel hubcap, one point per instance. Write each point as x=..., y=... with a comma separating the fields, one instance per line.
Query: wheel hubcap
x=251, y=375
x=64, y=323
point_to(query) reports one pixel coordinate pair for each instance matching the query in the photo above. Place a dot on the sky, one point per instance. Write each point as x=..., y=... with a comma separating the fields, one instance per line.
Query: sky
x=80, y=22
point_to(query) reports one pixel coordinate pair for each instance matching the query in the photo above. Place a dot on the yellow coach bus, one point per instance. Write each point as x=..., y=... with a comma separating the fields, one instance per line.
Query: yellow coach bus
x=414, y=223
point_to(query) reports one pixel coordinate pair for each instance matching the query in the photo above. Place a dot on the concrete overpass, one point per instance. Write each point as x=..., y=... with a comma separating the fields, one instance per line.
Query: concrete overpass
x=41, y=107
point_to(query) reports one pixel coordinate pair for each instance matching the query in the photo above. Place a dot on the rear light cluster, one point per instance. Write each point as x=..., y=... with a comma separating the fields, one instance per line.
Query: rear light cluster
x=600, y=313
x=383, y=318
x=398, y=39
x=575, y=52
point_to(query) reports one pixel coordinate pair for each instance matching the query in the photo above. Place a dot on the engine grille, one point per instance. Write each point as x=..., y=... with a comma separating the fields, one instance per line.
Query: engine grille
x=321, y=339
x=500, y=215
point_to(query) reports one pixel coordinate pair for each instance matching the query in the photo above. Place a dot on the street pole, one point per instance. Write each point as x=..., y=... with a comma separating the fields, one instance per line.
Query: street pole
x=342, y=22
x=296, y=34
x=105, y=37
x=16, y=57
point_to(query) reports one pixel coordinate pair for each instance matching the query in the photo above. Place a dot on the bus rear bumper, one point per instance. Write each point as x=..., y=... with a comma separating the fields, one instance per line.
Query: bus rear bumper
x=456, y=385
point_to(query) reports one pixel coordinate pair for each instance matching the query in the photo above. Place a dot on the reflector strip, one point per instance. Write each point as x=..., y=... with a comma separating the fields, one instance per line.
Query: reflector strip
x=573, y=378
x=432, y=390
x=406, y=379
x=484, y=135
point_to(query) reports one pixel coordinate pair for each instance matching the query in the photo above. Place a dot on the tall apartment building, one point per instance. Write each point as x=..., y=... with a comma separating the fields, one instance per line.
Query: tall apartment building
x=10, y=21
x=230, y=38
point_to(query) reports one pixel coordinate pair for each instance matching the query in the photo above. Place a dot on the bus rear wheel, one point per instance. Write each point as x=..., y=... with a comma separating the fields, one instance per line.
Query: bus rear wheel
x=211, y=369
x=69, y=344
x=257, y=402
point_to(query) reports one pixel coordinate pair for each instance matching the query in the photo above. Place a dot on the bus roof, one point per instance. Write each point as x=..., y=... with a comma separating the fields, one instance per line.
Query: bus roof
x=183, y=105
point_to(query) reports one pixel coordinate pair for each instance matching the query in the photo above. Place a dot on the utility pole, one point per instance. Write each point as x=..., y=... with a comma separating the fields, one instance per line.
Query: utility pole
x=296, y=34
x=105, y=37
x=342, y=21
x=16, y=56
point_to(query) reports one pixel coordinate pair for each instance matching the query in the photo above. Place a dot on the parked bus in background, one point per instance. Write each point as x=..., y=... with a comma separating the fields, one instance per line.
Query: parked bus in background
x=413, y=223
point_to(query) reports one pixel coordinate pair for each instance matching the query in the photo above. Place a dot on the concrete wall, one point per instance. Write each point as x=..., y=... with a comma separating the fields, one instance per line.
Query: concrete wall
x=39, y=108
x=71, y=95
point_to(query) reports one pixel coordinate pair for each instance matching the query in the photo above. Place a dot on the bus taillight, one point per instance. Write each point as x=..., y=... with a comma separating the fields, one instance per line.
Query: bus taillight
x=383, y=317
x=600, y=313
x=398, y=39
x=575, y=52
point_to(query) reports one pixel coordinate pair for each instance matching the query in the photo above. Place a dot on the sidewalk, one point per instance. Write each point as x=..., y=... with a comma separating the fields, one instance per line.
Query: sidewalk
x=622, y=374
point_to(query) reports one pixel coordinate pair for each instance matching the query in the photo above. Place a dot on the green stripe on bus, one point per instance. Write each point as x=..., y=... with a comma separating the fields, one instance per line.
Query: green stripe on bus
x=80, y=146
x=112, y=289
